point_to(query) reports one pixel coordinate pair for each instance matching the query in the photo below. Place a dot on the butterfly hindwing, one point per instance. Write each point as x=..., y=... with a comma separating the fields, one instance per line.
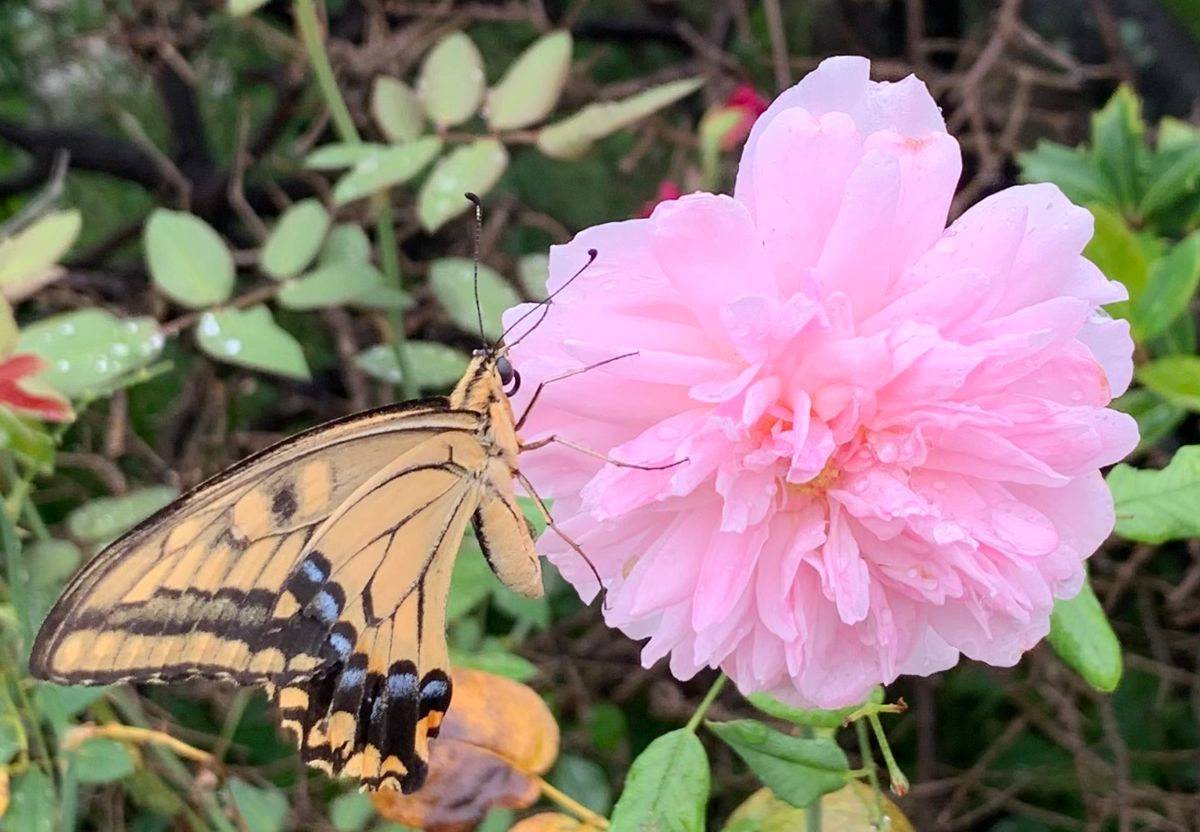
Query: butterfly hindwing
x=190, y=591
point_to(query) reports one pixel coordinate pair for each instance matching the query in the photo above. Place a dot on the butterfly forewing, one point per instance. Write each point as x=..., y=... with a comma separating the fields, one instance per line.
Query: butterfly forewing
x=320, y=569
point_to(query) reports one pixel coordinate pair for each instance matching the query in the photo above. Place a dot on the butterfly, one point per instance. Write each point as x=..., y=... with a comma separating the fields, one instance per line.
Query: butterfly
x=319, y=569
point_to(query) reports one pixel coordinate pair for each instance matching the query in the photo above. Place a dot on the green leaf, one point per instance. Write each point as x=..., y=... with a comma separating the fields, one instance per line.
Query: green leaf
x=331, y=285
x=811, y=717
x=475, y=167
x=1073, y=170
x=396, y=109
x=188, y=261
x=571, y=137
x=241, y=8
x=385, y=297
x=346, y=243
x=101, y=760
x=473, y=581
x=1170, y=287
x=1118, y=137
x=796, y=769
x=1119, y=254
x=533, y=611
x=533, y=270
x=667, y=787
x=106, y=517
x=532, y=85
x=1083, y=638
x=262, y=810
x=296, y=239
x=342, y=155
x=26, y=439
x=350, y=812
x=383, y=170
x=251, y=338
x=87, y=349
x=607, y=726
x=1175, y=378
x=436, y=366
x=451, y=280
x=28, y=259
x=1174, y=175
x=584, y=780
x=63, y=702
x=51, y=562
x=10, y=738
x=1157, y=506
x=8, y=328
x=33, y=803
x=451, y=81
x=1156, y=418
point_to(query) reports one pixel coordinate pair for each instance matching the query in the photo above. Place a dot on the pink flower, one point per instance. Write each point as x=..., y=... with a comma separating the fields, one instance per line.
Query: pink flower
x=667, y=191
x=889, y=431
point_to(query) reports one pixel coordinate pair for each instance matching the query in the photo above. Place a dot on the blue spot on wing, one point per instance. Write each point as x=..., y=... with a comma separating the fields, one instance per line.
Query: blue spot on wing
x=340, y=644
x=351, y=677
x=433, y=689
x=313, y=571
x=402, y=685
x=327, y=606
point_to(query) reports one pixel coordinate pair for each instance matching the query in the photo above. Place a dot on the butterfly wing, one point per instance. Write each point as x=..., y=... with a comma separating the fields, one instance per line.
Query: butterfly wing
x=375, y=577
x=190, y=591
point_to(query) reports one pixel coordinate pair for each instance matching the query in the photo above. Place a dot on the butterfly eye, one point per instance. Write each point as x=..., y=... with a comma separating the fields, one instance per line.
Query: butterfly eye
x=505, y=368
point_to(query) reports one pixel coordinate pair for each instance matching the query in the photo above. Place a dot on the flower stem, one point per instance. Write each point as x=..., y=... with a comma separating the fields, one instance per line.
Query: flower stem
x=572, y=805
x=706, y=703
x=385, y=232
x=899, y=780
x=868, y=760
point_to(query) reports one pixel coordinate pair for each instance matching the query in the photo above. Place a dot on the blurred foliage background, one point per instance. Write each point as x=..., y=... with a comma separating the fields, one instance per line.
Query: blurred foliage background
x=138, y=137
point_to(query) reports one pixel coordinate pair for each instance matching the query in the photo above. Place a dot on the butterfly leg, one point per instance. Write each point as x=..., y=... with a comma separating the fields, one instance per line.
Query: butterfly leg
x=550, y=524
x=568, y=374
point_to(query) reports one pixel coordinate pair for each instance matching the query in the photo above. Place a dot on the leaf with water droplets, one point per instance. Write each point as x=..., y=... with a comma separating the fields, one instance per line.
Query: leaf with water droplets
x=452, y=282
x=396, y=109
x=393, y=166
x=188, y=260
x=571, y=137
x=435, y=366
x=295, y=240
x=532, y=85
x=451, y=82
x=475, y=167
x=85, y=350
x=251, y=338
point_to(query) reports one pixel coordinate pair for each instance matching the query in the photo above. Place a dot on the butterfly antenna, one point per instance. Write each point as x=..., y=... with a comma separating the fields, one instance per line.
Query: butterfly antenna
x=541, y=306
x=475, y=262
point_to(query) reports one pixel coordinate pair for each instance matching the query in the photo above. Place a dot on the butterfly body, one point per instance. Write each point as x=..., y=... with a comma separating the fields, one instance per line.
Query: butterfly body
x=319, y=569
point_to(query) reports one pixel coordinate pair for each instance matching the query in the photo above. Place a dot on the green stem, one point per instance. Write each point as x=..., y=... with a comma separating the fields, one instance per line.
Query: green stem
x=310, y=34
x=706, y=703
x=868, y=759
x=343, y=123
x=899, y=780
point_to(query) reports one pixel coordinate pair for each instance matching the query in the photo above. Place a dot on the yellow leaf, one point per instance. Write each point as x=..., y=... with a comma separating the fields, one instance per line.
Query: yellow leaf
x=28, y=258
x=847, y=810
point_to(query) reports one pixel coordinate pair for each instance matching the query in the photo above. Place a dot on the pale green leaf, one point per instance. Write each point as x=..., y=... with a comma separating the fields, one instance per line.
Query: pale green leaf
x=240, y=8
x=667, y=787
x=28, y=259
x=436, y=366
x=295, y=240
x=1081, y=635
x=100, y=760
x=1119, y=254
x=492, y=657
x=474, y=168
x=188, y=261
x=26, y=439
x=396, y=109
x=1156, y=417
x=1154, y=506
x=342, y=155
x=532, y=85
x=451, y=81
x=1175, y=378
x=8, y=328
x=452, y=282
x=86, y=349
x=384, y=170
x=104, y=518
x=347, y=244
x=251, y=338
x=350, y=812
x=385, y=297
x=51, y=561
x=331, y=285
x=533, y=270
x=796, y=769
x=262, y=810
x=571, y=137
x=1071, y=169
x=812, y=717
